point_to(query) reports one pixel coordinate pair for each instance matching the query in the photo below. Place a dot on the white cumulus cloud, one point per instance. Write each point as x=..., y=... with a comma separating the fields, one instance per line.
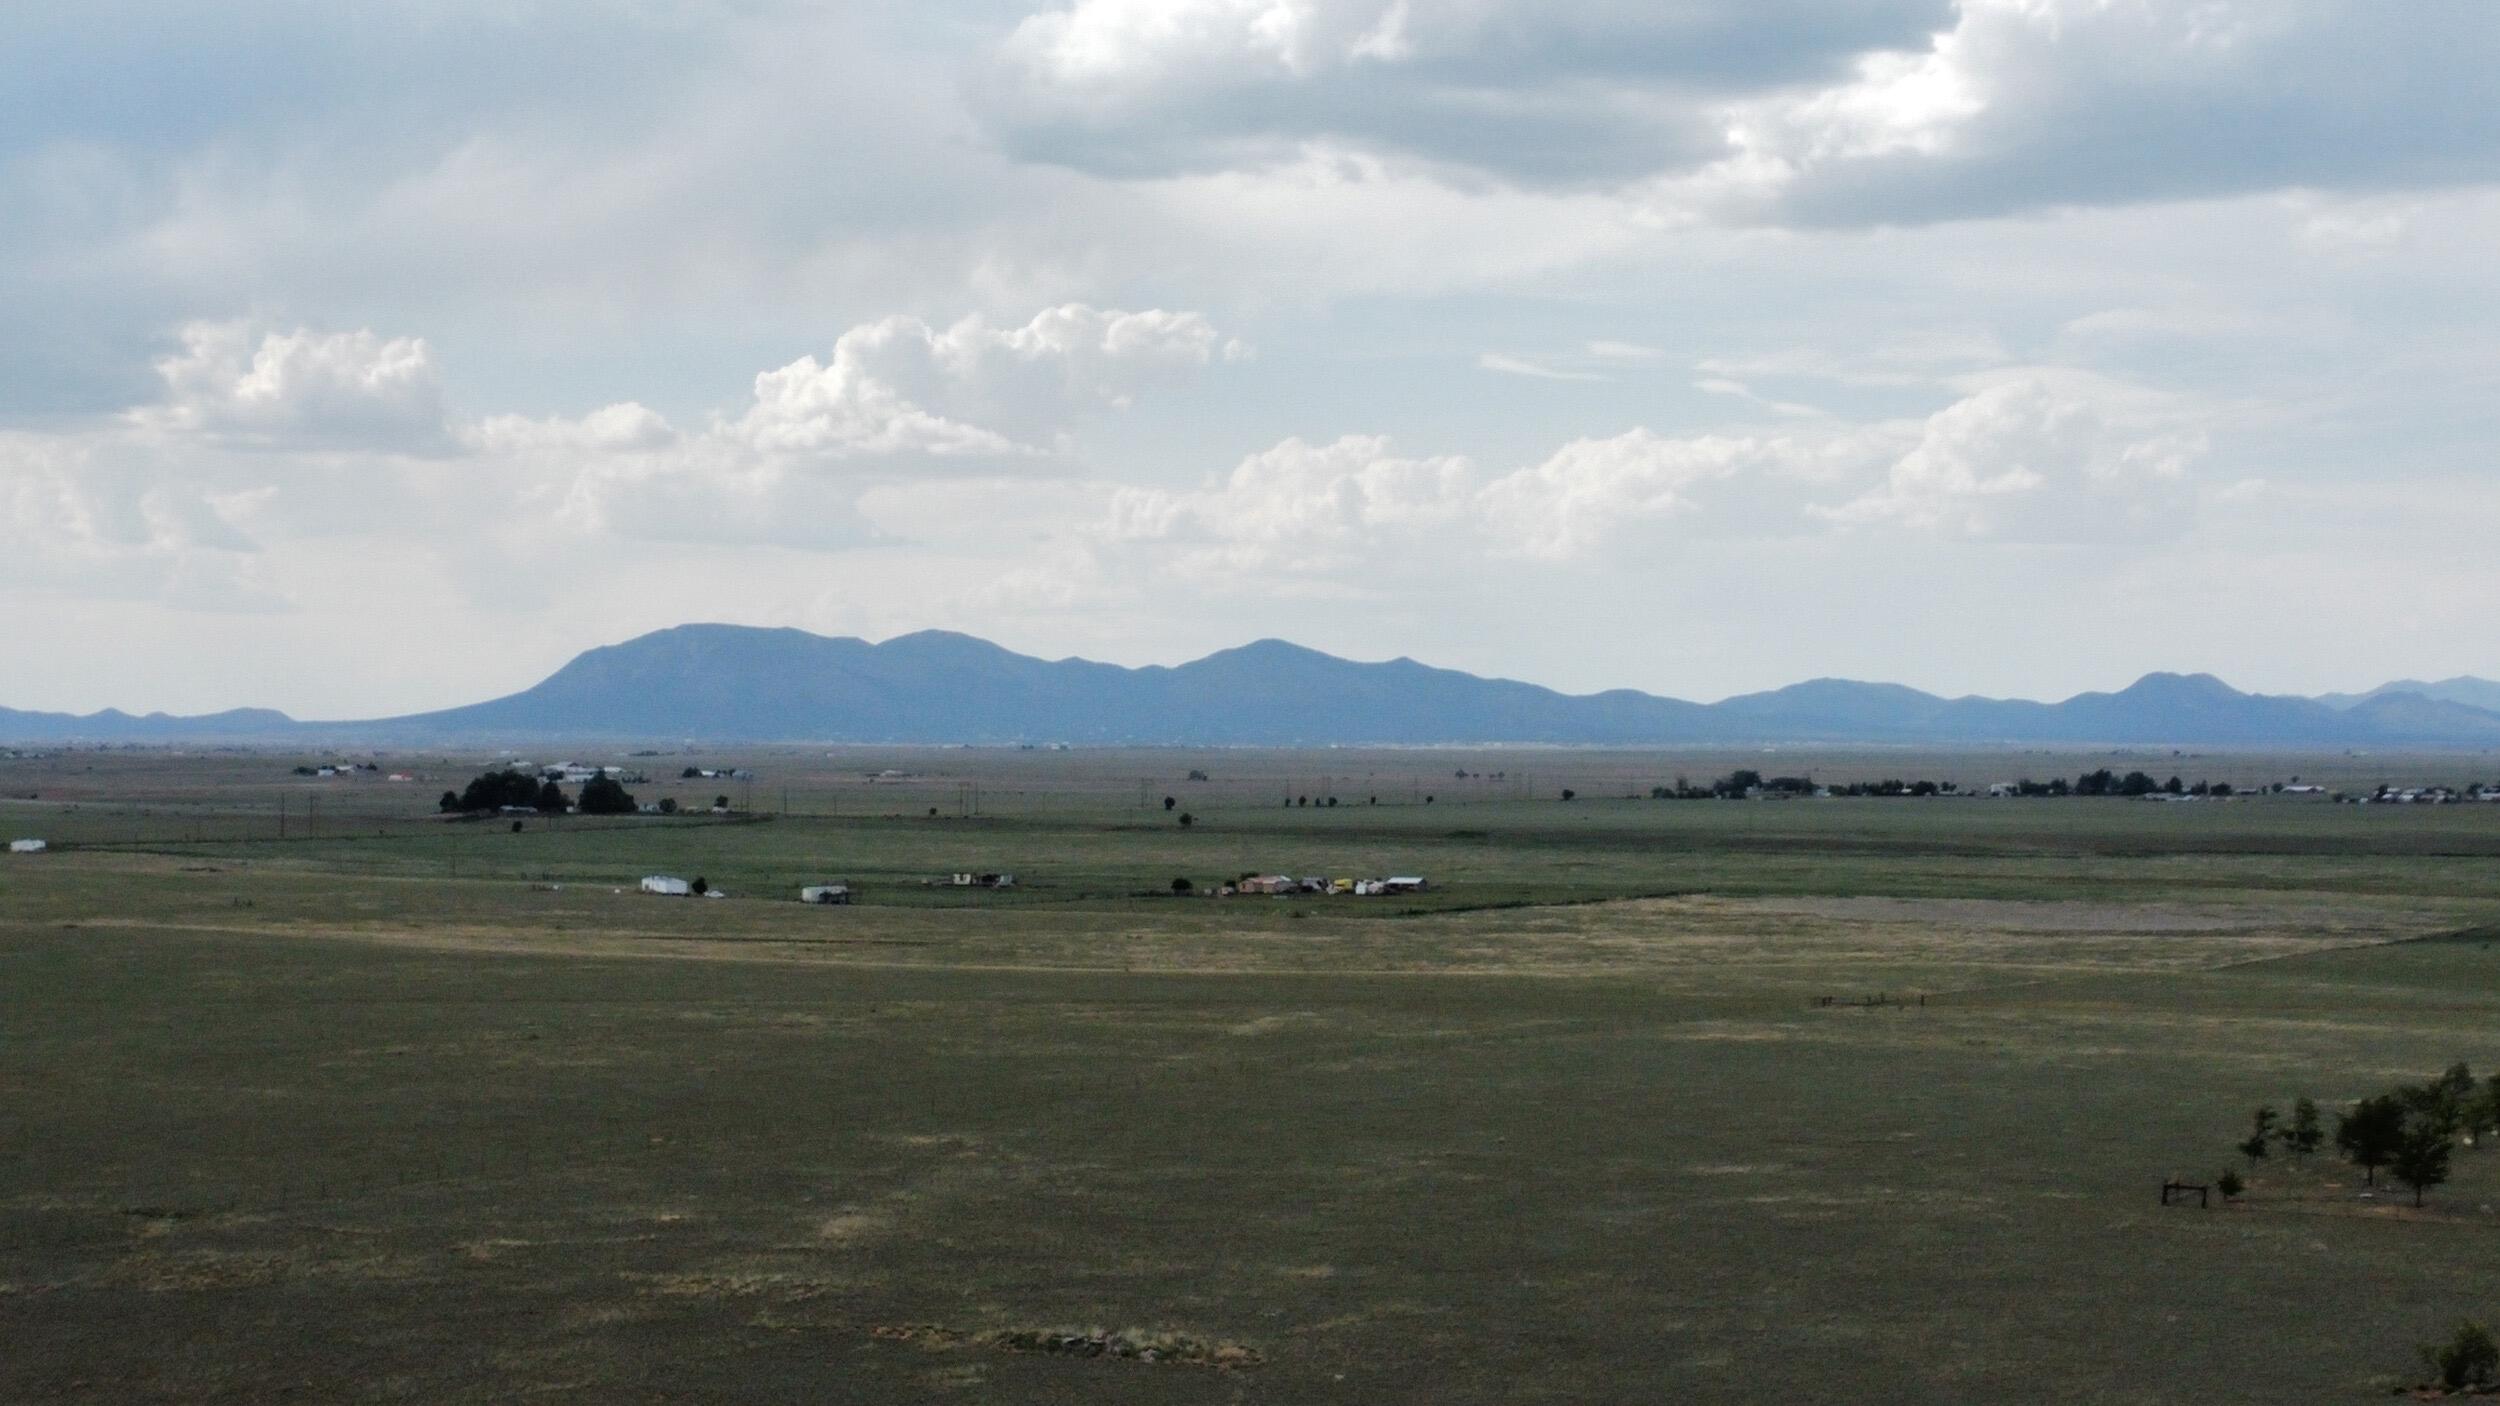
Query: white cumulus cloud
x=901, y=386
x=2031, y=460
x=240, y=385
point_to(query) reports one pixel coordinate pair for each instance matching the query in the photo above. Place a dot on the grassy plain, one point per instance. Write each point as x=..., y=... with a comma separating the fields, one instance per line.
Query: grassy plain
x=395, y=1109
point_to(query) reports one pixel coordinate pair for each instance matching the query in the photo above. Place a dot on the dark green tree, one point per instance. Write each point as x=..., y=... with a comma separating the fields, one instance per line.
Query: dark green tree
x=449, y=804
x=605, y=795
x=2443, y=1102
x=2368, y=1135
x=551, y=799
x=1170, y=801
x=496, y=789
x=2259, y=1136
x=2304, y=1134
x=2421, y=1156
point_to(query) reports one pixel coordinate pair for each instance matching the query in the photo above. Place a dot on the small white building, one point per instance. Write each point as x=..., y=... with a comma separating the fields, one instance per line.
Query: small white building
x=1405, y=883
x=667, y=887
x=27, y=846
x=825, y=893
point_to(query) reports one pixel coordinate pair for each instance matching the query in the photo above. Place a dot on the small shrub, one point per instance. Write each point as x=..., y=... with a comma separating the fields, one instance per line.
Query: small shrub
x=2230, y=1185
x=2469, y=1360
x=1182, y=886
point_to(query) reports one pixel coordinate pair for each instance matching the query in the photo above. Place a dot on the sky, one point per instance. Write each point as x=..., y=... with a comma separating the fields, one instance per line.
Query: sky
x=361, y=359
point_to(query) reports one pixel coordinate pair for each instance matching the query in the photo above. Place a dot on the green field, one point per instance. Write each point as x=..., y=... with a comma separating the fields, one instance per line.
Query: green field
x=402, y=1109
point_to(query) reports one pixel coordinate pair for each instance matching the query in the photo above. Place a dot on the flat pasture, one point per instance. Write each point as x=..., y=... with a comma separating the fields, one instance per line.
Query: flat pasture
x=403, y=1109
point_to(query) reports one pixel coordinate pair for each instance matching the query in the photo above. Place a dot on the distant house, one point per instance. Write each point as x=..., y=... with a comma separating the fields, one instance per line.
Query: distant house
x=825, y=893
x=667, y=887
x=1403, y=884
x=27, y=846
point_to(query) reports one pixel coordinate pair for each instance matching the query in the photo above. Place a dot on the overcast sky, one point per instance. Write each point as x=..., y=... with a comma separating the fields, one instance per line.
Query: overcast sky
x=357, y=359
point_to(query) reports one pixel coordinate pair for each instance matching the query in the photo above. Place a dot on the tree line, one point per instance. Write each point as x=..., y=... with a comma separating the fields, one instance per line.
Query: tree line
x=509, y=789
x=2410, y=1131
x=1745, y=782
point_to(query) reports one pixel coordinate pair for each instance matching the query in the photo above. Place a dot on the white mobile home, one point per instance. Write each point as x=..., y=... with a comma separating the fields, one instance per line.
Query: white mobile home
x=825, y=893
x=27, y=846
x=667, y=887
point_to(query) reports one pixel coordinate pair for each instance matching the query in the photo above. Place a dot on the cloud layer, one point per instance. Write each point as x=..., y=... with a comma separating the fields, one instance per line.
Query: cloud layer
x=1892, y=337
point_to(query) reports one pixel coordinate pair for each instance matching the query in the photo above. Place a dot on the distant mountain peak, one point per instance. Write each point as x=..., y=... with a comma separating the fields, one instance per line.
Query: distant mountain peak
x=2172, y=678
x=2463, y=689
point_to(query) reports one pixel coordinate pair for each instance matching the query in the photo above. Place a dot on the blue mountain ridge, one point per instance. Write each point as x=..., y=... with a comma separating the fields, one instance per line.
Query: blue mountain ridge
x=731, y=683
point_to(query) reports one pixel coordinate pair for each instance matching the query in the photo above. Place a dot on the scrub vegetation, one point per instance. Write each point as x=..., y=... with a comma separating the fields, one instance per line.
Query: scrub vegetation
x=1787, y=1099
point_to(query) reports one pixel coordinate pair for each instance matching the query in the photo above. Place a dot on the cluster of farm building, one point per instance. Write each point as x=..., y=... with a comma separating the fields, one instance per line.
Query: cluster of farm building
x=1285, y=885
x=825, y=892
x=1272, y=885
